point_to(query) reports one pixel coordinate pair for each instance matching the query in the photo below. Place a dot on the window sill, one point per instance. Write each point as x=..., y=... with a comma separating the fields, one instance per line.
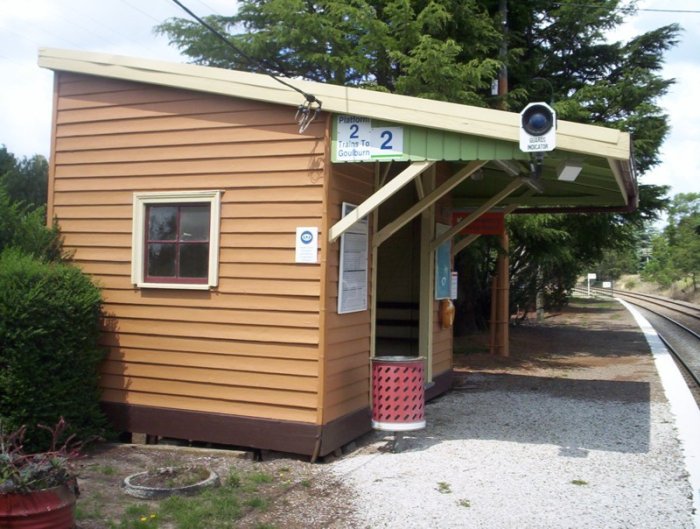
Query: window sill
x=176, y=286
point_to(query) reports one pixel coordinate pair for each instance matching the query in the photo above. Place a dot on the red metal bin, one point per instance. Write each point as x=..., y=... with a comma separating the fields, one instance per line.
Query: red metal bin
x=398, y=393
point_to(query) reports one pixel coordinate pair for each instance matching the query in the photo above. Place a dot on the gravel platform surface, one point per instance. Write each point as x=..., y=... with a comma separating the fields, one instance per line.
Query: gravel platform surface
x=567, y=436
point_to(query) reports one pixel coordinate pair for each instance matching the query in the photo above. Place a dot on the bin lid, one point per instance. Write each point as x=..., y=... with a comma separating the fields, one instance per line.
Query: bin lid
x=397, y=358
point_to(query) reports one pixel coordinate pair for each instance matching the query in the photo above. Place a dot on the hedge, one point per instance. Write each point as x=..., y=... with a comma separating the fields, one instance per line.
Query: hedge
x=49, y=357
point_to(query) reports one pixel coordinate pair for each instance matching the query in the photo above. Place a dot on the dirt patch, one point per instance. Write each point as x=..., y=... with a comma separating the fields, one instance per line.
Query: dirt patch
x=586, y=334
x=294, y=493
x=588, y=340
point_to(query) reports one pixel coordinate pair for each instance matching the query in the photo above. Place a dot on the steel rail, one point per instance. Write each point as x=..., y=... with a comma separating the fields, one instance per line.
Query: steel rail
x=680, y=360
x=661, y=301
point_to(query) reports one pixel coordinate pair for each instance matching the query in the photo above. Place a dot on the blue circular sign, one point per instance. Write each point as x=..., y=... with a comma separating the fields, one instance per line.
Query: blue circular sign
x=306, y=237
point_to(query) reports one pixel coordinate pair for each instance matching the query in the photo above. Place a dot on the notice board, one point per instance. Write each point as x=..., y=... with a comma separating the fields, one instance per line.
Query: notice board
x=354, y=261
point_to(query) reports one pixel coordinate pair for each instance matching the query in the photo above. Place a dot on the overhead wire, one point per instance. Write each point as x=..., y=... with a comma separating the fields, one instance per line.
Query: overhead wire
x=306, y=112
x=136, y=8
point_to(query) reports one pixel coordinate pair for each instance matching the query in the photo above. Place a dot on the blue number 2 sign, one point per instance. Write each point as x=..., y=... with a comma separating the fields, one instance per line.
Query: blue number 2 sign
x=387, y=142
x=387, y=136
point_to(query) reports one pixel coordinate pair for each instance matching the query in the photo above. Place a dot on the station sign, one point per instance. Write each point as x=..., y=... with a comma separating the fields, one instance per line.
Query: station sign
x=358, y=141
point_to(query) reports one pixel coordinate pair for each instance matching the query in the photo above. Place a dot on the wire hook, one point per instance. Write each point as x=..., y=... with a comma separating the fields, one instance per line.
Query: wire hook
x=307, y=112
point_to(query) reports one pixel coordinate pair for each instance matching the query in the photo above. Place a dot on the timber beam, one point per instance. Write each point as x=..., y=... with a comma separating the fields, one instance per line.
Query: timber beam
x=378, y=198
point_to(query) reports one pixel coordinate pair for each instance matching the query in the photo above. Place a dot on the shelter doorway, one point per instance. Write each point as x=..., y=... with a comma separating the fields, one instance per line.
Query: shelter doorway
x=398, y=281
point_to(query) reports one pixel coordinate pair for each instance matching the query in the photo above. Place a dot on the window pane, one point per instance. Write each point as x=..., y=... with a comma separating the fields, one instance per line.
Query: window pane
x=194, y=260
x=161, y=260
x=194, y=223
x=162, y=223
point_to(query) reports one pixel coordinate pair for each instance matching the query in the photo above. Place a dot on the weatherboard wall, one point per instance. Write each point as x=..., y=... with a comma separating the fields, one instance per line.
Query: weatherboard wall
x=249, y=347
x=346, y=338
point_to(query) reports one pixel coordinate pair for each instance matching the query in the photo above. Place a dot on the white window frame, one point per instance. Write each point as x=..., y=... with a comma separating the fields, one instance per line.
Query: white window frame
x=138, y=234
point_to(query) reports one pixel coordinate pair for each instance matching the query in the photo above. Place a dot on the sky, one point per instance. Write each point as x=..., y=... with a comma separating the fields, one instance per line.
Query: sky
x=125, y=27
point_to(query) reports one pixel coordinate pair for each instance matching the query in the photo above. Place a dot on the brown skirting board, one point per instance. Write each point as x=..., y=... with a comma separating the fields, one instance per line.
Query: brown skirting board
x=250, y=432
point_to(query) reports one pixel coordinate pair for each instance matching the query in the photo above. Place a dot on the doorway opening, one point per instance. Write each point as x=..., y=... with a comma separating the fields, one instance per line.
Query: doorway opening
x=398, y=281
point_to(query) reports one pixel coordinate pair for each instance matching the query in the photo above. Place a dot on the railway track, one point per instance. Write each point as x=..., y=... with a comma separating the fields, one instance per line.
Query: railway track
x=681, y=307
x=677, y=324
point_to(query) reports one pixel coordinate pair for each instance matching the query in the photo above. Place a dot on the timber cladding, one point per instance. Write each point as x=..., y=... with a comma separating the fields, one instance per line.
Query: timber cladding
x=346, y=336
x=250, y=347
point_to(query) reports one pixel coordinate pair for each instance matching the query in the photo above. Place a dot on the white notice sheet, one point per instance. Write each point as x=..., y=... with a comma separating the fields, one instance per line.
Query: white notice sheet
x=352, y=284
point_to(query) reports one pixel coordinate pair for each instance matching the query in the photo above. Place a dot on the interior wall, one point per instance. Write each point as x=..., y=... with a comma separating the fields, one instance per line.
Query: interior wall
x=398, y=281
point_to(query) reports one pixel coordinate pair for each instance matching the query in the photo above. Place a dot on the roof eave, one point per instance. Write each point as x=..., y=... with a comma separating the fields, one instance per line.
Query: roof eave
x=463, y=119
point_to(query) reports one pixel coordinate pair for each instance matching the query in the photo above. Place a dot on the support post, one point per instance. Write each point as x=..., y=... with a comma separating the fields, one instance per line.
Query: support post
x=500, y=322
x=427, y=280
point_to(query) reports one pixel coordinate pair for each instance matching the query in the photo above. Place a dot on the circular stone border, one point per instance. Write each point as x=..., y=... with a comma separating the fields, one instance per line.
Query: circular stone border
x=154, y=493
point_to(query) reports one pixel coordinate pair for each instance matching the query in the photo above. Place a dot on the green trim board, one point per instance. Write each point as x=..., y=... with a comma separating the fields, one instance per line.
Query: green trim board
x=358, y=139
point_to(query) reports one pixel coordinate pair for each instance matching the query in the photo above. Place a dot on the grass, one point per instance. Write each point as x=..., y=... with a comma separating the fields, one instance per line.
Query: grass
x=107, y=470
x=86, y=510
x=444, y=487
x=138, y=516
x=213, y=508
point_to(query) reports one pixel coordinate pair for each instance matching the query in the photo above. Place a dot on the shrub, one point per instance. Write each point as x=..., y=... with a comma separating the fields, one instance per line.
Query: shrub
x=49, y=325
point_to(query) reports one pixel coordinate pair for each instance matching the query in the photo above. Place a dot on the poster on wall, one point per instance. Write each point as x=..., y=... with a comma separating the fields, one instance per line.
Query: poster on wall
x=352, y=280
x=306, y=250
x=443, y=266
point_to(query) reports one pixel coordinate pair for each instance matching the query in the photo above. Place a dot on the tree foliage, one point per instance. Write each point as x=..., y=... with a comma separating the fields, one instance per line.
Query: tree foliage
x=441, y=49
x=25, y=180
x=23, y=227
x=675, y=254
x=23, y=191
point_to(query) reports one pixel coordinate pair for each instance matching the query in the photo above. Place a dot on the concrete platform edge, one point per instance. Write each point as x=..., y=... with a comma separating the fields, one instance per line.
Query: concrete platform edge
x=682, y=405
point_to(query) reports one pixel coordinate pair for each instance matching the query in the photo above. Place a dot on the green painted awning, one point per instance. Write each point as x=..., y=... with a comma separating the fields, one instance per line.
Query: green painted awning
x=603, y=182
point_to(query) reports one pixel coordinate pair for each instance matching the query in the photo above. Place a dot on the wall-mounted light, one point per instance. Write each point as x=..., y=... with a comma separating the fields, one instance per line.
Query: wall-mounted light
x=568, y=170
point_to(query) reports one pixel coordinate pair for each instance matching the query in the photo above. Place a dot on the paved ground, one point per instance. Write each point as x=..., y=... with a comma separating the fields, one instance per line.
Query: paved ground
x=573, y=431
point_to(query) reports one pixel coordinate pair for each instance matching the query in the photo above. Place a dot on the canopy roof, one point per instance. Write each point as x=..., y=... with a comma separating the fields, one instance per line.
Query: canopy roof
x=433, y=131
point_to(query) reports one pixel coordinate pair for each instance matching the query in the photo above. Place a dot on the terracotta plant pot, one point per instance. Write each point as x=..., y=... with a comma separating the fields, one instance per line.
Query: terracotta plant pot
x=52, y=508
